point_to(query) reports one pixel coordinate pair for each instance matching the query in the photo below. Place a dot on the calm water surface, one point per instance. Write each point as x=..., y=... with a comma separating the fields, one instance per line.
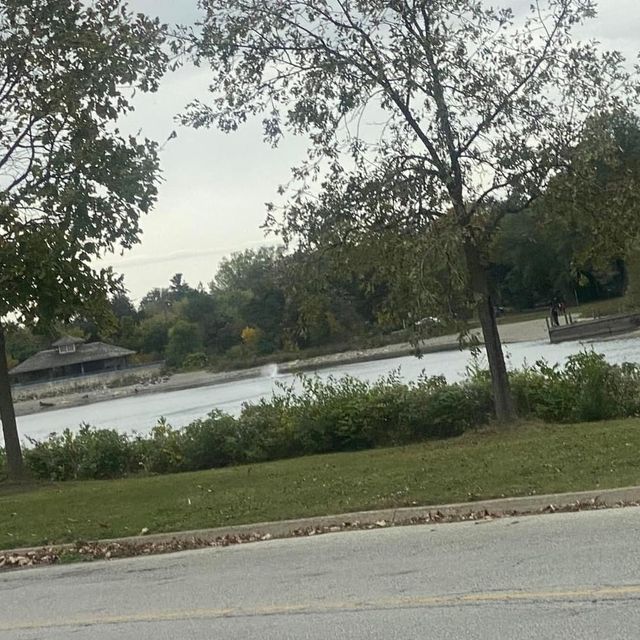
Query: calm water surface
x=140, y=413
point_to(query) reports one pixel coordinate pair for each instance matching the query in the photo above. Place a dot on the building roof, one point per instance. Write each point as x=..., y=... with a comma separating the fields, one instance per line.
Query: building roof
x=52, y=358
x=66, y=341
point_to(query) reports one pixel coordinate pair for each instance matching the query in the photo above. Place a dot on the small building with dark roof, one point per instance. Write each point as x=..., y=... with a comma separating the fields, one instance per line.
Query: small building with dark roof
x=71, y=357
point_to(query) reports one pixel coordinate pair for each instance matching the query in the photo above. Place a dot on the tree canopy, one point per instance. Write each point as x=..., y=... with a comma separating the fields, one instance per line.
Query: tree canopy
x=72, y=185
x=423, y=116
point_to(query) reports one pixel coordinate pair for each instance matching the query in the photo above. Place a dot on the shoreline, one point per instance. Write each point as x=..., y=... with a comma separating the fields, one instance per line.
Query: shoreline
x=526, y=331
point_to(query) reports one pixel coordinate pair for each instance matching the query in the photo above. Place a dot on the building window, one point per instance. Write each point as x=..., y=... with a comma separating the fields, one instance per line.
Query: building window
x=67, y=348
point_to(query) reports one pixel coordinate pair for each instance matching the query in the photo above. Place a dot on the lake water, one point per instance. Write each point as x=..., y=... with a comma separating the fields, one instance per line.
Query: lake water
x=140, y=413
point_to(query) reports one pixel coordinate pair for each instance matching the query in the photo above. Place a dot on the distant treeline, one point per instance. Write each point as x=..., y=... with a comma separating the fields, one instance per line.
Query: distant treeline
x=266, y=301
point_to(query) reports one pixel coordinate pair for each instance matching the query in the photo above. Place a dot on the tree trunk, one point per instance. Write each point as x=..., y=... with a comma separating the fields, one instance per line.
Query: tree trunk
x=15, y=466
x=502, y=399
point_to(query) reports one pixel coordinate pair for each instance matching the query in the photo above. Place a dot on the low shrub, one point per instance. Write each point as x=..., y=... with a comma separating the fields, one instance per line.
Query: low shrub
x=268, y=431
x=210, y=443
x=586, y=389
x=348, y=414
x=160, y=451
x=336, y=415
x=450, y=410
x=341, y=415
x=195, y=361
x=86, y=454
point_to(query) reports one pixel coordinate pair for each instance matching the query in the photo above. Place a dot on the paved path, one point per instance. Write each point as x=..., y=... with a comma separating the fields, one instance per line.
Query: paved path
x=560, y=576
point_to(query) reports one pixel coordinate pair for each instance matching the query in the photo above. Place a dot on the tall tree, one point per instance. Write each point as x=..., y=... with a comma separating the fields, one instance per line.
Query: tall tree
x=478, y=106
x=184, y=339
x=204, y=310
x=158, y=301
x=249, y=284
x=599, y=196
x=72, y=186
x=22, y=343
x=533, y=262
x=178, y=287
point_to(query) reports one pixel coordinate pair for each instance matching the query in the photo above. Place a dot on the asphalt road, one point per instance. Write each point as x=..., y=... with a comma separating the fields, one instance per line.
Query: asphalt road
x=558, y=576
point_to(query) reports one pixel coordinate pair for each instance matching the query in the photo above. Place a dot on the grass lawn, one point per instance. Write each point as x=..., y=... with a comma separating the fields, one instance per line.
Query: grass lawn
x=529, y=459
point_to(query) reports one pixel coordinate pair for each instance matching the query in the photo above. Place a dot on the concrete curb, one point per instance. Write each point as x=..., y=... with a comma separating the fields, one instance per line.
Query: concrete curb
x=465, y=511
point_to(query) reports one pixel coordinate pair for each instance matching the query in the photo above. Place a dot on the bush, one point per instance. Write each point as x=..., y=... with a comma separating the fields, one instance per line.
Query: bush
x=161, y=451
x=268, y=431
x=341, y=415
x=336, y=415
x=331, y=416
x=348, y=414
x=195, y=361
x=88, y=454
x=588, y=388
x=210, y=443
x=450, y=410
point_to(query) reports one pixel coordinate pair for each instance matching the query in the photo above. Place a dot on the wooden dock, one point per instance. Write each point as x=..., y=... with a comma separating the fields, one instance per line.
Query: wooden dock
x=597, y=328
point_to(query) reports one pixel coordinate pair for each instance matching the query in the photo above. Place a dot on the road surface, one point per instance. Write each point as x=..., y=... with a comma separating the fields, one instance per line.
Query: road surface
x=559, y=576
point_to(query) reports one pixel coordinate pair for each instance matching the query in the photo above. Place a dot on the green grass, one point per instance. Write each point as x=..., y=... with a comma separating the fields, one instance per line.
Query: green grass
x=530, y=459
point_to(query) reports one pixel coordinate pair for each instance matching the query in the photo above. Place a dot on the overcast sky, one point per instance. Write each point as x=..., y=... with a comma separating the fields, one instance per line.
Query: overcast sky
x=214, y=186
